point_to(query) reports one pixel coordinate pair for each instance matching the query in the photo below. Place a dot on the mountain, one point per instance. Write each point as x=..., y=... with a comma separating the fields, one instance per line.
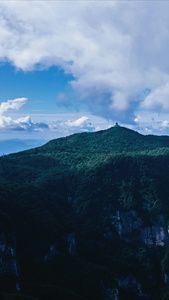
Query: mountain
x=16, y=145
x=86, y=217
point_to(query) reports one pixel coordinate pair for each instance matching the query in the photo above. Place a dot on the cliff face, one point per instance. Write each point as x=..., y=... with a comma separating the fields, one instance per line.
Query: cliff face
x=132, y=228
x=126, y=223
x=8, y=262
x=9, y=266
x=86, y=217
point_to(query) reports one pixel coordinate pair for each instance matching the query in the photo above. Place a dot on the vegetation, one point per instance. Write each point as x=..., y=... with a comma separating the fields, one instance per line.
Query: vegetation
x=78, y=185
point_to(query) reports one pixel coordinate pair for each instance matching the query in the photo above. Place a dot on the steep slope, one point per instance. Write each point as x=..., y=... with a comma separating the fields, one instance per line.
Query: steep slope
x=86, y=217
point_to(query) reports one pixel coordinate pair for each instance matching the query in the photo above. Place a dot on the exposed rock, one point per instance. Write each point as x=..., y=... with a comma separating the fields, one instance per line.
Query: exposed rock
x=71, y=244
x=116, y=221
x=109, y=293
x=146, y=200
x=8, y=263
x=131, y=283
x=18, y=287
x=155, y=235
x=130, y=222
x=52, y=252
x=165, y=278
x=127, y=222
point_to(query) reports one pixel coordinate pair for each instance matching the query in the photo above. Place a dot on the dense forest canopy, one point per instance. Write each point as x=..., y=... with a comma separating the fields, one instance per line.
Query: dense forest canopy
x=87, y=217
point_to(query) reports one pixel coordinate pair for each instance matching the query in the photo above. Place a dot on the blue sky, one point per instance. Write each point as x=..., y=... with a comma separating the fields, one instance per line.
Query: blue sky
x=74, y=66
x=39, y=86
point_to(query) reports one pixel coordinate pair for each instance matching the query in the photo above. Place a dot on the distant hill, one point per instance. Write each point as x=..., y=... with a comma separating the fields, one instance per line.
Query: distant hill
x=86, y=217
x=15, y=145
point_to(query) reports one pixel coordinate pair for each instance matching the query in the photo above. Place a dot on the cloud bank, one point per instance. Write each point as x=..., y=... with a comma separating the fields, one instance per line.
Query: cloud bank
x=65, y=128
x=61, y=127
x=114, y=50
x=20, y=124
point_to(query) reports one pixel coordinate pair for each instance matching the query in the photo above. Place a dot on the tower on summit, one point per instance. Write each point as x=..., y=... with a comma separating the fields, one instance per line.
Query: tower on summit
x=116, y=125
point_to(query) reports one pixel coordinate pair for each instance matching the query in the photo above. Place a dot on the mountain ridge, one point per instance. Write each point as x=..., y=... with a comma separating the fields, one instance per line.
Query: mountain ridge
x=117, y=134
x=89, y=215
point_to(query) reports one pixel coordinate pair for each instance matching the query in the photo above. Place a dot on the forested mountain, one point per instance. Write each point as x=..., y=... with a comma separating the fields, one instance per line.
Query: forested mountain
x=86, y=217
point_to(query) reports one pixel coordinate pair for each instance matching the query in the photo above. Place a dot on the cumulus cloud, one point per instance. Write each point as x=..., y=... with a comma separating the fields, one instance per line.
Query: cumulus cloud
x=12, y=104
x=82, y=124
x=20, y=124
x=60, y=127
x=158, y=99
x=114, y=49
x=158, y=124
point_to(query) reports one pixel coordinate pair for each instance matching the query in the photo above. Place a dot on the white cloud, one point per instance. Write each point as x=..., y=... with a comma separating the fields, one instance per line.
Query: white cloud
x=137, y=119
x=24, y=123
x=81, y=122
x=67, y=127
x=165, y=124
x=21, y=124
x=158, y=98
x=62, y=127
x=114, y=49
x=12, y=104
